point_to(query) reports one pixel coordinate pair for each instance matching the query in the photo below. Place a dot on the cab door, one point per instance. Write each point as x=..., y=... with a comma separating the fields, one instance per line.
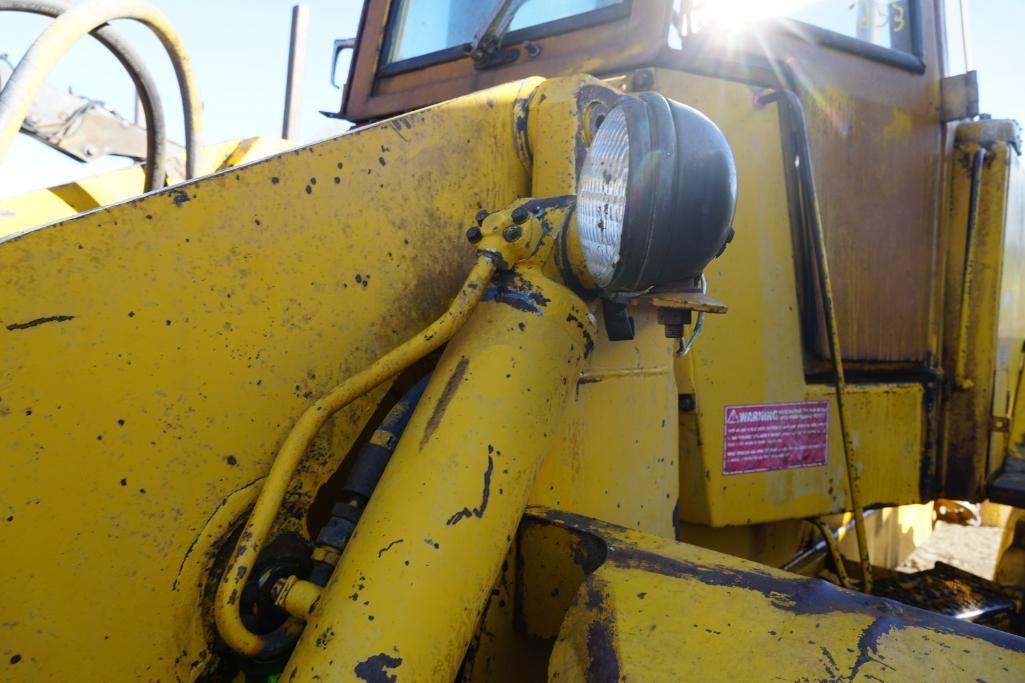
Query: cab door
x=868, y=74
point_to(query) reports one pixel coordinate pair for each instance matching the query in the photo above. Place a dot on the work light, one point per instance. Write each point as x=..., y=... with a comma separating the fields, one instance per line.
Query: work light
x=655, y=196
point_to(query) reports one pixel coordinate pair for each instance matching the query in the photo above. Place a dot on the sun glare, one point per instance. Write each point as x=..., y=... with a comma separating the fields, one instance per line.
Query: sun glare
x=736, y=14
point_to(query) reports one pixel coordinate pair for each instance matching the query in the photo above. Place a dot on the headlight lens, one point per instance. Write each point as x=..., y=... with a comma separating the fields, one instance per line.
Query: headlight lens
x=655, y=196
x=601, y=197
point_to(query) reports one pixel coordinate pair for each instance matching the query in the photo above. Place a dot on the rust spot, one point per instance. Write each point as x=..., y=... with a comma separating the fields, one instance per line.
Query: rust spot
x=603, y=661
x=446, y=397
x=372, y=669
x=179, y=197
x=325, y=637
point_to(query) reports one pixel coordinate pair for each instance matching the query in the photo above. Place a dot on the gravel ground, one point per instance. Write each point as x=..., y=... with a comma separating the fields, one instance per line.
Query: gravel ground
x=972, y=548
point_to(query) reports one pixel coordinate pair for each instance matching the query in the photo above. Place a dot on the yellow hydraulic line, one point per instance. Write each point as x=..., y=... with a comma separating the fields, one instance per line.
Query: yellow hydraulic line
x=226, y=608
x=850, y=457
x=961, y=380
x=833, y=547
x=804, y=170
x=414, y=579
x=40, y=59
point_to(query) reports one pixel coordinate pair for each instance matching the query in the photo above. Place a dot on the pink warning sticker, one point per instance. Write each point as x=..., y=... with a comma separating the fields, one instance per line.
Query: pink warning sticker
x=775, y=436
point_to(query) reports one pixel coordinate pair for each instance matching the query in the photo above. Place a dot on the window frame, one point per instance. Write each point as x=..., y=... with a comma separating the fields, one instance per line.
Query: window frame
x=568, y=24
x=626, y=36
x=913, y=61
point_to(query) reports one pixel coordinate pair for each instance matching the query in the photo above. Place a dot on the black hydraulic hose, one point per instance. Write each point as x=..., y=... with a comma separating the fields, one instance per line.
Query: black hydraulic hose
x=366, y=472
x=149, y=96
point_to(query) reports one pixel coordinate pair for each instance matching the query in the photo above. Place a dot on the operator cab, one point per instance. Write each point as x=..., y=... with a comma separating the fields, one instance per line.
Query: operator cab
x=868, y=73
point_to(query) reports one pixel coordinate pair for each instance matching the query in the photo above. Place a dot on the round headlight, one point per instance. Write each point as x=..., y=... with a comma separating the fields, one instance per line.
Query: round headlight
x=655, y=196
x=601, y=197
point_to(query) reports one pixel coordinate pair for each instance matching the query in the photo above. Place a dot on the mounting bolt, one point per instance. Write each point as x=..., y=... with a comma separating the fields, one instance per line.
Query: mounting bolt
x=481, y=215
x=673, y=320
x=512, y=233
x=520, y=215
x=673, y=330
x=474, y=234
x=643, y=80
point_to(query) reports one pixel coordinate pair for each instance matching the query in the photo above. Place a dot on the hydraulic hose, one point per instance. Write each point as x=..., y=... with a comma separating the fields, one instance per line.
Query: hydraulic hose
x=79, y=20
x=149, y=95
x=268, y=502
x=367, y=469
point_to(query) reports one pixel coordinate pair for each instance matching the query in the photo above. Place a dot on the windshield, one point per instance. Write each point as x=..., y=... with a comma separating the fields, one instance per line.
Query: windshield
x=420, y=27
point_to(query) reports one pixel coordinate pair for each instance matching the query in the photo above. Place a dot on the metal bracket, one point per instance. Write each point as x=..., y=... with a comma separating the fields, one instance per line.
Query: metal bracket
x=959, y=97
x=619, y=325
x=1000, y=424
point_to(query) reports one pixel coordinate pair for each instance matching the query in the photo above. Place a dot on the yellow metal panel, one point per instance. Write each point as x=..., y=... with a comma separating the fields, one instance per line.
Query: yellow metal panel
x=1007, y=382
x=46, y=206
x=34, y=208
x=752, y=355
x=617, y=457
x=983, y=346
x=156, y=352
x=888, y=427
x=661, y=611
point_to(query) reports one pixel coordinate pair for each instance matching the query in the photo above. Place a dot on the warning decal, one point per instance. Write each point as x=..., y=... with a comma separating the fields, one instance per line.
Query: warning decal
x=775, y=436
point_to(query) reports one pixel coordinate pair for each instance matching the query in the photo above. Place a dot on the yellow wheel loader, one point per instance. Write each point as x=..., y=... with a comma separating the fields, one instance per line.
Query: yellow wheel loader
x=621, y=340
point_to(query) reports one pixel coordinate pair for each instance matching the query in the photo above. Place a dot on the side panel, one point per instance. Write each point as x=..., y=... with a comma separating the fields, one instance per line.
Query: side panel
x=753, y=354
x=654, y=610
x=617, y=457
x=155, y=353
x=985, y=326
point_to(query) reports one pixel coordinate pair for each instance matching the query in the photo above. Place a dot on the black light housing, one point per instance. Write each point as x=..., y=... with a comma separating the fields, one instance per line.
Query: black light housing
x=680, y=194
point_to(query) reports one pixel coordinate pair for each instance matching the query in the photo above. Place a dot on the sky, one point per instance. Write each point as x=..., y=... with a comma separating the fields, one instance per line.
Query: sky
x=239, y=49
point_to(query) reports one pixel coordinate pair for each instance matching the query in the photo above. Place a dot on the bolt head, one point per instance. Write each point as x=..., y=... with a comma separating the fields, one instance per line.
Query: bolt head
x=520, y=215
x=481, y=215
x=512, y=233
x=474, y=234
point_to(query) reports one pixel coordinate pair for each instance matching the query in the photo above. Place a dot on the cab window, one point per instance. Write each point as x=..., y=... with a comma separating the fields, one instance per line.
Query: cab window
x=423, y=27
x=883, y=23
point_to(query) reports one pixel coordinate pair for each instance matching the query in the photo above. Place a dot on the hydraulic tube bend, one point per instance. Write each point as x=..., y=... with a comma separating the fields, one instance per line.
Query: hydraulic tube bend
x=268, y=502
x=806, y=177
x=149, y=95
x=40, y=59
